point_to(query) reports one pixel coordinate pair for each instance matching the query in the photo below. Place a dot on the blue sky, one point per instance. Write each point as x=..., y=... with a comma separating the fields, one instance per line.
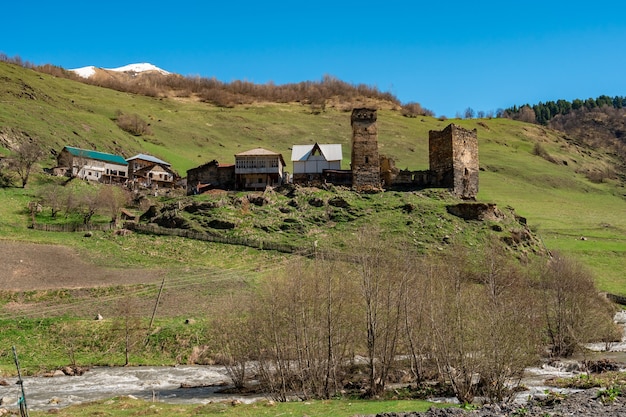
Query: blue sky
x=447, y=56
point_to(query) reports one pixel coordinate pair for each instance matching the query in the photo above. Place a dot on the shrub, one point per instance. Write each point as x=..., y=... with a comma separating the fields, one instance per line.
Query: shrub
x=133, y=124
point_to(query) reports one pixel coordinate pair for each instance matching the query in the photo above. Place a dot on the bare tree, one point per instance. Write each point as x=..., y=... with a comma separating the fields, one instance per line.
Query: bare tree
x=53, y=196
x=235, y=336
x=527, y=114
x=573, y=311
x=303, y=326
x=128, y=325
x=26, y=156
x=384, y=276
x=87, y=203
x=112, y=199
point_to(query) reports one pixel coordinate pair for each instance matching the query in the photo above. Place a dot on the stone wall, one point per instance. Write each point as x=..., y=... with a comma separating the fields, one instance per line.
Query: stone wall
x=365, y=160
x=453, y=156
x=210, y=175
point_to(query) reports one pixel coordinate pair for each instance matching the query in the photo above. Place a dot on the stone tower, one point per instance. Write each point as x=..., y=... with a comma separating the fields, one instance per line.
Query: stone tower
x=365, y=160
x=454, y=160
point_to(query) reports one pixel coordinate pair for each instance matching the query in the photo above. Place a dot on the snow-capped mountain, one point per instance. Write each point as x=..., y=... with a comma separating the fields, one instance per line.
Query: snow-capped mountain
x=87, y=72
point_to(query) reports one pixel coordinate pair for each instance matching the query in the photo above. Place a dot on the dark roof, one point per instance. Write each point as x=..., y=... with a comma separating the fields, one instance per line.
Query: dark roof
x=99, y=156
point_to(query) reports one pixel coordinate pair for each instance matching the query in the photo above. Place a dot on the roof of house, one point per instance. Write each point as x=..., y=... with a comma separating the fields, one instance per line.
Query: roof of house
x=261, y=152
x=99, y=156
x=148, y=158
x=330, y=152
x=147, y=169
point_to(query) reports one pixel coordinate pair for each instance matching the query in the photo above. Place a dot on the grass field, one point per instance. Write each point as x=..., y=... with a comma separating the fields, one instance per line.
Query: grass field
x=124, y=406
x=569, y=213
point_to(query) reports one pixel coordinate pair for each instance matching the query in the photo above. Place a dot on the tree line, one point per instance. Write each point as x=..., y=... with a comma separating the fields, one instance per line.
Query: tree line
x=471, y=320
x=542, y=113
x=316, y=94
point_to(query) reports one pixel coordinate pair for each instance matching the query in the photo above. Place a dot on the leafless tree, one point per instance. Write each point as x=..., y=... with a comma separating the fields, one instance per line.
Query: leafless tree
x=26, y=156
x=128, y=326
x=573, y=311
x=112, y=198
x=384, y=275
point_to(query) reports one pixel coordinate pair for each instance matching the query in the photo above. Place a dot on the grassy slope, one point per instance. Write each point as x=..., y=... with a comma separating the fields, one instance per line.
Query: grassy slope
x=559, y=203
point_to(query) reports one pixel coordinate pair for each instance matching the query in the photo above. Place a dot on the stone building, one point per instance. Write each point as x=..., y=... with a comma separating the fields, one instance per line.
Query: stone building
x=365, y=161
x=211, y=175
x=453, y=159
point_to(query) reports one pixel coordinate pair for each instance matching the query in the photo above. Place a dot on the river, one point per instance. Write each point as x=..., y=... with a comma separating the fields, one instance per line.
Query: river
x=164, y=384
x=159, y=383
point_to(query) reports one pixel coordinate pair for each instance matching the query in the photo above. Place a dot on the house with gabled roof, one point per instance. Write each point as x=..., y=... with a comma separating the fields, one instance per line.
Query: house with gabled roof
x=259, y=168
x=150, y=171
x=310, y=161
x=92, y=165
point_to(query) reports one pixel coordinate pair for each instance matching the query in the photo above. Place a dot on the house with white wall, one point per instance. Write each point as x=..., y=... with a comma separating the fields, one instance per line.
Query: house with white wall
x=259, y=168
x=310, y=161
x=92, y=165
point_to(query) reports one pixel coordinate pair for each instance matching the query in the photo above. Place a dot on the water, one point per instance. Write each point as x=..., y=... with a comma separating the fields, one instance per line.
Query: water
x=164, y=383
x=148, y=383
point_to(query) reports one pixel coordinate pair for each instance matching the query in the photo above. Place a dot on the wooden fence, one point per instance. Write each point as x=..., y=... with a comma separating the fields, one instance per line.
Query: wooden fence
x=73, y=227
x=154, y=229
x=230, y=240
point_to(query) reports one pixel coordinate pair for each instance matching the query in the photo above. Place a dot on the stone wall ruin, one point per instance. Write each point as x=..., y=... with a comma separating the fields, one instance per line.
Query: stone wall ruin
x=365, y=161
x=453, y=158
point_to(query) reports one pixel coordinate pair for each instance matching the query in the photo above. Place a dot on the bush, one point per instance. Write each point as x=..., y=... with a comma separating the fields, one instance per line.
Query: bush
x=133, y=124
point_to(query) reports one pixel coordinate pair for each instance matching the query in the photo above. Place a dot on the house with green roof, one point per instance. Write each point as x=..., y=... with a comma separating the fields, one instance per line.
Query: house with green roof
x=92, y=165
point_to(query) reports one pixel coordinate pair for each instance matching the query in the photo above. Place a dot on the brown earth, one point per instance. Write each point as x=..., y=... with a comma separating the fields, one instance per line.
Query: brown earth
x=31, y=266
x=41, y=280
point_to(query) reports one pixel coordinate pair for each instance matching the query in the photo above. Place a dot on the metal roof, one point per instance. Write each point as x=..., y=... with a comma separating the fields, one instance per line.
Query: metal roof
x=331, y=152
x=99, y=156
x=257, y=152
x=261, y=152
x=148, y=158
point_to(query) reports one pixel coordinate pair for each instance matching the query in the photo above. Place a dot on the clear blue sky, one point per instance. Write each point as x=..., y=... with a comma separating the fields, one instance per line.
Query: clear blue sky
x=447, y=56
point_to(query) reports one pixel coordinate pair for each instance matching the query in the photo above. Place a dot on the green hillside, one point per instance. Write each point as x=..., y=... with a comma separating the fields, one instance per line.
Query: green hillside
x=539, y=172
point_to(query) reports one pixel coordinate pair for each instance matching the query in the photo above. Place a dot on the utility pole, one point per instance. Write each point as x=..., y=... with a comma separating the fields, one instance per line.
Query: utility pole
x=22, y=400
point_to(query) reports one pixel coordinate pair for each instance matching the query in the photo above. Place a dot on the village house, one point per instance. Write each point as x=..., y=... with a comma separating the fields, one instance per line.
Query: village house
x=209, y=176
x=149, y=171
x=92, y=165
x=453, y=159
x=310, y=161
x=259, y=168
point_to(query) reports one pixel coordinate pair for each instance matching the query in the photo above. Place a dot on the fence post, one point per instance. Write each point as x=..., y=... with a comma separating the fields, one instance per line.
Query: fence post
x=22, y=400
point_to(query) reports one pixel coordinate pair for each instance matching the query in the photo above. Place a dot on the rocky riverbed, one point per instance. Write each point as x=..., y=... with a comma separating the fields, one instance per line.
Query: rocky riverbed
x=587, y=403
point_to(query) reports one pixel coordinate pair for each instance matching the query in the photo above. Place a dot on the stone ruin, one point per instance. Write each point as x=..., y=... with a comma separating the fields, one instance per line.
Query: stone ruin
x=365, y=161
x=453, y=160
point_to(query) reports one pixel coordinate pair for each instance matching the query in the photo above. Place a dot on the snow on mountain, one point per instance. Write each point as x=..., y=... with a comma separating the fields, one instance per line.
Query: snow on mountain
x=139, y=68
x=85, y=72
x=89, y=71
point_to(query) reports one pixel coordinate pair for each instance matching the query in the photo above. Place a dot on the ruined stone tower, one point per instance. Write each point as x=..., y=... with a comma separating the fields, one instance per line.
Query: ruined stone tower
x=365, y=160
x=454, y=160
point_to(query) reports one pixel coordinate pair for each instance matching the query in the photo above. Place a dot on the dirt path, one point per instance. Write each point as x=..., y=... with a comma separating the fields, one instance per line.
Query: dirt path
x=31, y=266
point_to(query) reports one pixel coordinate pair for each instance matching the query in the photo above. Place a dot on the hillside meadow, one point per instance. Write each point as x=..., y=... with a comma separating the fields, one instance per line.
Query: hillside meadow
x=568, y=211
x=527, y=170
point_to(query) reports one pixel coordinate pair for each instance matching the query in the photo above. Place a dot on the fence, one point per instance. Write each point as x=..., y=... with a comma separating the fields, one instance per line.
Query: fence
x=73, y=227
x=192, y=234
x=154, y=229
